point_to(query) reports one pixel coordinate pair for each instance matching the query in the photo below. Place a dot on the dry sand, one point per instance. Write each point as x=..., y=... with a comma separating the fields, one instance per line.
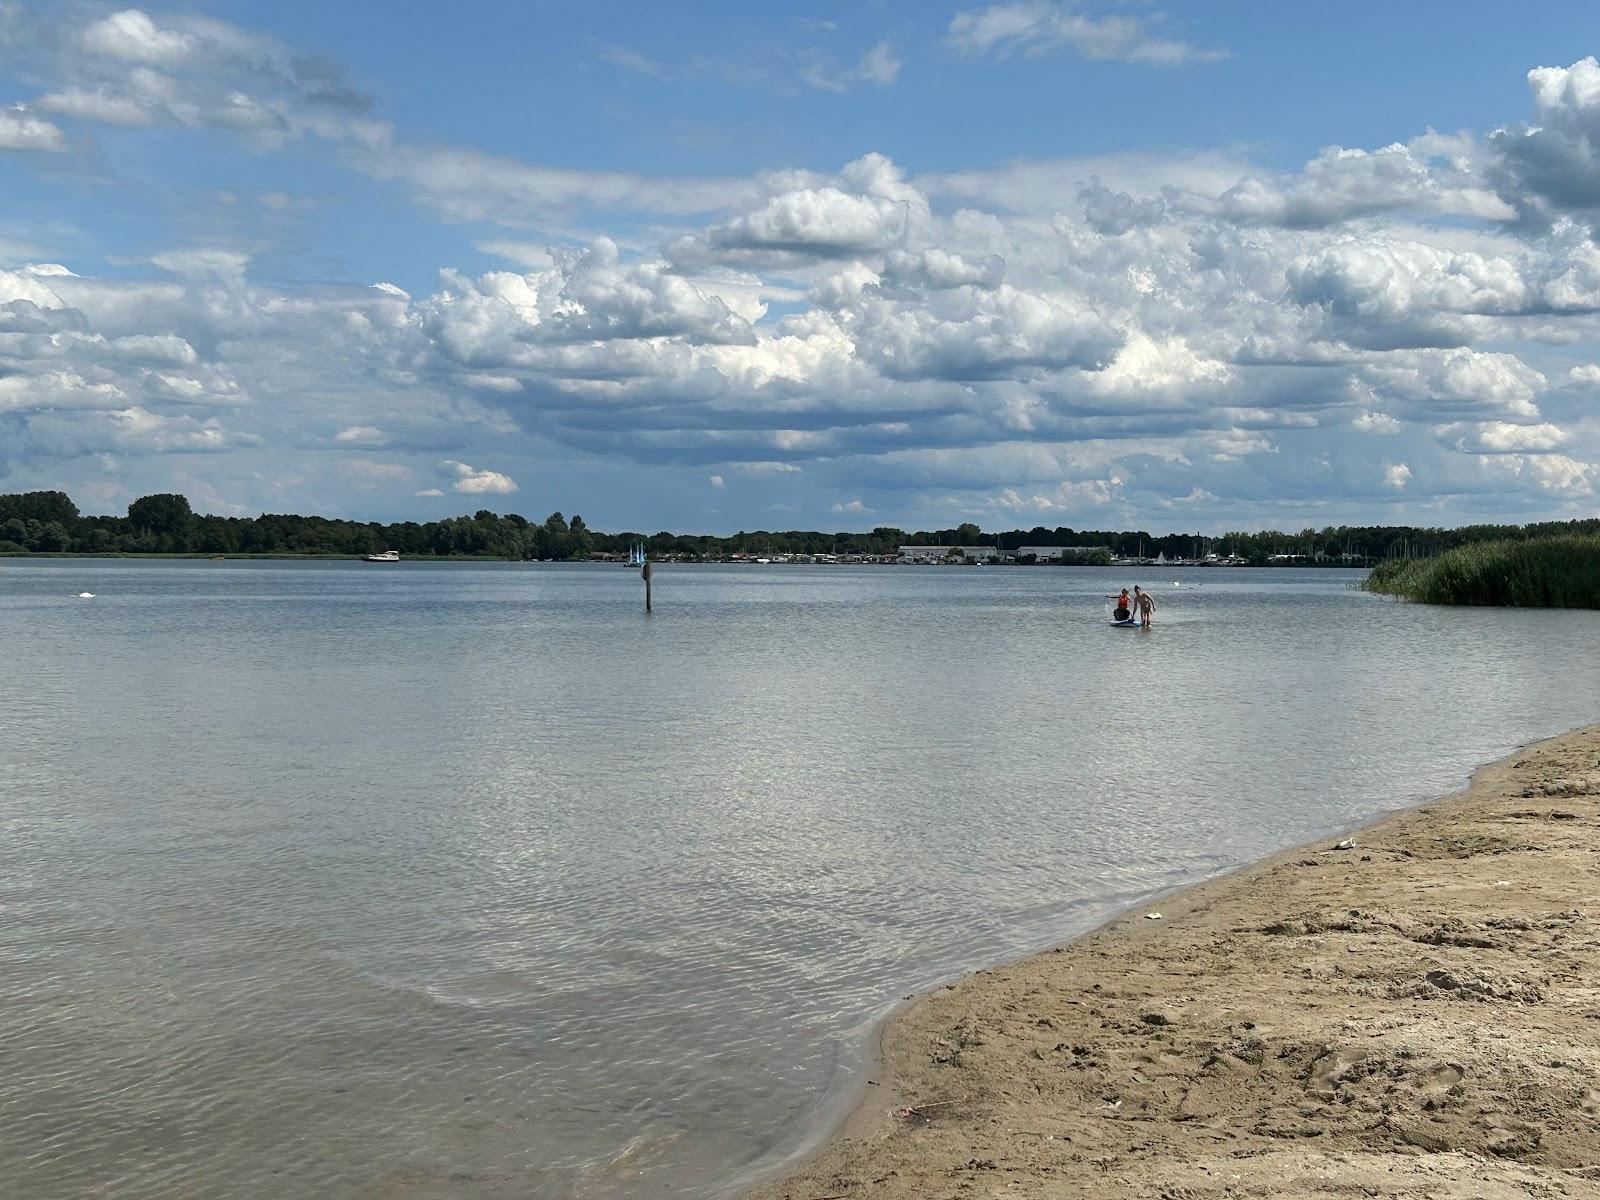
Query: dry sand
x=1416, y=1016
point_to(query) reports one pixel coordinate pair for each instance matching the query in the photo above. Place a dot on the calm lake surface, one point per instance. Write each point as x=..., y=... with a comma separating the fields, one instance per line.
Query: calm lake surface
x=465, y=880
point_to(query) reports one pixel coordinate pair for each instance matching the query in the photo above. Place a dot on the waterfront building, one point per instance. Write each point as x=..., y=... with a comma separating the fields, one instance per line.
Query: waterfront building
x=1055, y=553
x=927, y=554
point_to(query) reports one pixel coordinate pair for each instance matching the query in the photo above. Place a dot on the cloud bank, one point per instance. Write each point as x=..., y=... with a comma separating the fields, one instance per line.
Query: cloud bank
x=1107, y=341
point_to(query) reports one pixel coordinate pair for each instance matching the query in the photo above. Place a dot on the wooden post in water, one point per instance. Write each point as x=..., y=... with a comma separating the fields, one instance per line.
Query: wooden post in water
x=644, y=573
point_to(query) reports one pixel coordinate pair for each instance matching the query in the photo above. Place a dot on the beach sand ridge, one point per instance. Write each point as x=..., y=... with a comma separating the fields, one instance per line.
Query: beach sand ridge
x=1417, y=1015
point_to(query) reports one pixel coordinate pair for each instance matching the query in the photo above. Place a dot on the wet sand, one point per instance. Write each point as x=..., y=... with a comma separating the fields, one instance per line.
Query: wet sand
x=1417, y=1015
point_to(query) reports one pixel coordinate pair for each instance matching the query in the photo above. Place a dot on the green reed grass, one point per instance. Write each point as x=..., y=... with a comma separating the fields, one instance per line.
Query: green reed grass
x=1549, y=572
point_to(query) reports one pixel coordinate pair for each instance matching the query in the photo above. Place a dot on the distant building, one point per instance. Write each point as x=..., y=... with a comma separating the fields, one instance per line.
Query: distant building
x=1055, y=553
x=942, y=553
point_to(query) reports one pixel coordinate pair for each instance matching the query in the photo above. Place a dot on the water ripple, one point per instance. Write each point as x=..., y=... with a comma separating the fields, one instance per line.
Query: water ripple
x=469, y=881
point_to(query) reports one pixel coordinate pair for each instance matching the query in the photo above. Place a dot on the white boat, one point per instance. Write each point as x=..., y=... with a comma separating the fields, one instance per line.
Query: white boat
x=382, y=556
x=636, y=556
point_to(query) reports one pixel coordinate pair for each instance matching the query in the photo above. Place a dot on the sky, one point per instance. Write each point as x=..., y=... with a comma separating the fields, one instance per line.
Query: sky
x=717, y=266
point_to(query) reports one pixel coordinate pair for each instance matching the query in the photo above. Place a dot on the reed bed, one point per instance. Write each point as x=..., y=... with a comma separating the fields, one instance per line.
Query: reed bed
x=1548, y=572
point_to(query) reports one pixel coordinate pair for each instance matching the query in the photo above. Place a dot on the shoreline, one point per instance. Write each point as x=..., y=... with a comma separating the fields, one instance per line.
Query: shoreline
x=235, y=556
x=291, y=555
x=1315, y=1023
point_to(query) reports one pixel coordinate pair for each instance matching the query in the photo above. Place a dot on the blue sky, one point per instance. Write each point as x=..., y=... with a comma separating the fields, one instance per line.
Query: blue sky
x=718, y=266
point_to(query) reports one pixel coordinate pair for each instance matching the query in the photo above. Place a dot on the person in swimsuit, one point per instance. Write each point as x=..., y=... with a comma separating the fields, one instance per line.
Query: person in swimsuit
x=1124, y=607
x=1146, y=604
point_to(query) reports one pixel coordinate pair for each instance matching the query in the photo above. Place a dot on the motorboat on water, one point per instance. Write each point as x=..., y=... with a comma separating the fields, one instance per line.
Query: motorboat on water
x=382, y=556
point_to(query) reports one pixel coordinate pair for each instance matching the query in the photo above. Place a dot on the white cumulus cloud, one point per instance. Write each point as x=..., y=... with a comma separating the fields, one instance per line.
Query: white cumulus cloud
x=1376, y=422
x=361, y=435
x=132, y=35
x=1501, y=437
x=21, y=130
x=475, y=482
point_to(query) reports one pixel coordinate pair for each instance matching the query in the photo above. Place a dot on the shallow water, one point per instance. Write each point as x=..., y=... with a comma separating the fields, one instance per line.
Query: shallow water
x=466, y=880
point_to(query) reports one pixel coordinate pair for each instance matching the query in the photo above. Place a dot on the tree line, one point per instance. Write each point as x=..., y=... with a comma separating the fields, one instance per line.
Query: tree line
x=50, y=523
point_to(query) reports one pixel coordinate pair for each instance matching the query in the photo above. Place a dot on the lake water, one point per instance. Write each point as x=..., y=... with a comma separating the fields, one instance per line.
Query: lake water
x=473, y=881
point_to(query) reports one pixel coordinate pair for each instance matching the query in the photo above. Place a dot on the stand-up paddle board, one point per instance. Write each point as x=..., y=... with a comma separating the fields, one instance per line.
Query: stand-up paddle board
x=1128, y=624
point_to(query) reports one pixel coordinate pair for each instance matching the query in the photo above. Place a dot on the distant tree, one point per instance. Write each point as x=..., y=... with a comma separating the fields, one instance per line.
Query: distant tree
x=39, y=506
x=580, y=542
x=97, y=539
x=50, y=537
x=968, y=534
x=165, y=513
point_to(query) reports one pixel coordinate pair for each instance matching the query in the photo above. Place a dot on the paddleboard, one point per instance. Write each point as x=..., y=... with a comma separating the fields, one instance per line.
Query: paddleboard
x=1128, y=624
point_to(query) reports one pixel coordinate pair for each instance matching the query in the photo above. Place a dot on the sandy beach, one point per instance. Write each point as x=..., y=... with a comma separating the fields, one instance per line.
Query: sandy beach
x=1412, y=1013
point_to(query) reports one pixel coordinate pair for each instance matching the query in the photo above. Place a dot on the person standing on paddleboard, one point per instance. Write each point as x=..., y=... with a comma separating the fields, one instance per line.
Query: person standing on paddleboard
x=1146, y=604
